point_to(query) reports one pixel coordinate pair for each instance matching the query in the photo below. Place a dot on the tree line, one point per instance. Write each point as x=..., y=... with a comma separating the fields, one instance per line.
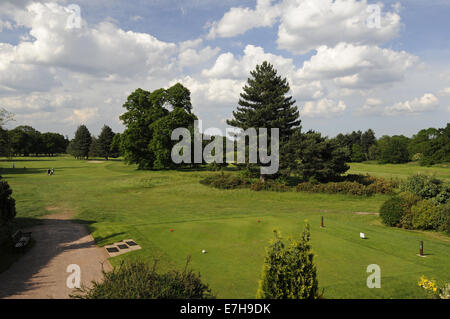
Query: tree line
x=428, y=147
x=25, y=141
x=150, y=118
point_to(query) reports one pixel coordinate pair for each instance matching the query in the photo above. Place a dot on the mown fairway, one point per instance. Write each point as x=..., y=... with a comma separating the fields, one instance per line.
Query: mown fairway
x=120, y=202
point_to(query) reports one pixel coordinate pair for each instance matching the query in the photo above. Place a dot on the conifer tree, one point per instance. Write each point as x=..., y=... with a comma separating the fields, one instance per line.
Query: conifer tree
x=104, y=142
x=264, y=103
x=289, y=271
x=81, y=142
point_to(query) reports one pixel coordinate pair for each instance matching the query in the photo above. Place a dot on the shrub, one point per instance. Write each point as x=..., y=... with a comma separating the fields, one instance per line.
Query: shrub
x=7, y=203
x=138, y=280
x=270, y=185
x=225, y=181
x=351, y=188
x=392, y=210
x=427, y=215
x=422, y=185
x=409, y=200
x=445, y=215
x=289, y=271
x=443, y=197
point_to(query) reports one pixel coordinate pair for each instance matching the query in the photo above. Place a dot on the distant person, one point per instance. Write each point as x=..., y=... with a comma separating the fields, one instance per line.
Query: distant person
x=14, y=166
x=48, y=171
x=53, y=171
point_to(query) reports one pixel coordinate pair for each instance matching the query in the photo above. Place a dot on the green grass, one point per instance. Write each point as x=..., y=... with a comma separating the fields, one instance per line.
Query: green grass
x=121, y=202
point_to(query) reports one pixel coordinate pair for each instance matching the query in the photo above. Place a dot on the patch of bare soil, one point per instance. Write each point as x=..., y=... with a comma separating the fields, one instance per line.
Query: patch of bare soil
x=366, y=213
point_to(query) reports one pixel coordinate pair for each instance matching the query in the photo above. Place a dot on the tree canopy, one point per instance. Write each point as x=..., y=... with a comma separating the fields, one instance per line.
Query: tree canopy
x=146, y=139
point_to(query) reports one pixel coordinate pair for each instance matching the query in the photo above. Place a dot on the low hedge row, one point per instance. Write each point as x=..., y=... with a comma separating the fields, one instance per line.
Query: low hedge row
x=226, y=181
x=358, y=185
x=375, y=186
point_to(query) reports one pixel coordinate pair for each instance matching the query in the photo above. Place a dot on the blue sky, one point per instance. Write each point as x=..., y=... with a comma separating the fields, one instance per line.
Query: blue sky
x=344, y=75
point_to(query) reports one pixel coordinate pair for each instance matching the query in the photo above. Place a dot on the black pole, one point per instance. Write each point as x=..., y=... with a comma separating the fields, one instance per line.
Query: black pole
x=421, y=248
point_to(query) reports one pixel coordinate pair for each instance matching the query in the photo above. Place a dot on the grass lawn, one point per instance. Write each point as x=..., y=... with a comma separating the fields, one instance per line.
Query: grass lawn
x=120, y=202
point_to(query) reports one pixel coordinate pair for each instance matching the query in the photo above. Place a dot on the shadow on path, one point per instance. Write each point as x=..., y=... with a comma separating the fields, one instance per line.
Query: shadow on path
x=42, y=271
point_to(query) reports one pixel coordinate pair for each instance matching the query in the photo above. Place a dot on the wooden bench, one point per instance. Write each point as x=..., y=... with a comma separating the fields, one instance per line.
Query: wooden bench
x=21, y=239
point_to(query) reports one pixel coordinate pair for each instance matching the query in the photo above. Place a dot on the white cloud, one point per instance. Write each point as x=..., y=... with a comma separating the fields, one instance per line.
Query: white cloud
x=428, y=102
x=190, y=57
x=308, y=24
x=445, y=92
x=357, y=66
x=103, y=49
x=229, y=73
x=240, y=20
x=83, y=115
x=228, y=66
x=372, y=106
x=323, y=108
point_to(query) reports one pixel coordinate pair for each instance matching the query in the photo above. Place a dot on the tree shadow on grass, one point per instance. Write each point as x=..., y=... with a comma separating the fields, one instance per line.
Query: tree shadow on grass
x=21, y=170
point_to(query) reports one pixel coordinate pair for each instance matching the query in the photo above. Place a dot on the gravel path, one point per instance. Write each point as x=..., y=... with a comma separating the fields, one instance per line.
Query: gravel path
x=42, y=271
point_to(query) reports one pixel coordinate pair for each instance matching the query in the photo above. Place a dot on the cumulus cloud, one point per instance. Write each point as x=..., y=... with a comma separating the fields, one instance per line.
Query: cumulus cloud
x=231, y=72
x=190, y=57
x=229, y=66
x=445, y=92
x=103, y=49
x=240, y=20
x=428, y=102
x=323, y=108
x=356, y=66
x=83, y=115
x=308, y=24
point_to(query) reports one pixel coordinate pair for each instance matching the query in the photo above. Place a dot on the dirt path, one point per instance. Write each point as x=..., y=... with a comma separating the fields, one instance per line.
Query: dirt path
x=42, y=271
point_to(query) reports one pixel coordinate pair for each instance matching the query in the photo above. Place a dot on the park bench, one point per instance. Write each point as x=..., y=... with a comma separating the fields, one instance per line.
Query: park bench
x=21, y=239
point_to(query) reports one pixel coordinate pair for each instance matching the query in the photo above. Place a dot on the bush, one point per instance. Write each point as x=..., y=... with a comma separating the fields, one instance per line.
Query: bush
x=427, y=215
x=225, y=181
x=7, y=203
x=137, y=280
x=7, y=212
x=289, y=271
x=422, y=185
x=409, y=200
x=443, y=197
x=270, y=185
x=392, y=210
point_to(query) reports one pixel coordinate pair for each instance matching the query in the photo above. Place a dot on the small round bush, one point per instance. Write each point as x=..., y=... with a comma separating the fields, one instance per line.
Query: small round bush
x=391, y=212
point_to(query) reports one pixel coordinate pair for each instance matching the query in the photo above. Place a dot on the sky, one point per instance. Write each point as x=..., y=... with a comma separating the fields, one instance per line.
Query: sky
x=351, y=64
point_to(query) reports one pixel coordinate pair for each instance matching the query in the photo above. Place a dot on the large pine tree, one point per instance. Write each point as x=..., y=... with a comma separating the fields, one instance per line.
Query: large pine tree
x=264, y=103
